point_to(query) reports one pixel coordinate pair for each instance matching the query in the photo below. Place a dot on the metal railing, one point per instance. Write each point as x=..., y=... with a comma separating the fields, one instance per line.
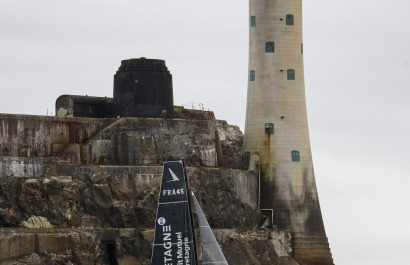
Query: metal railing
x=194, y=105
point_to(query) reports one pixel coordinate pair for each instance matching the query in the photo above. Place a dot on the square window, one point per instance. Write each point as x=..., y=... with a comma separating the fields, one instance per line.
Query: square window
x=291, y=74
x=295, y=156
x=269, y=47
x=269, y=128
x=246, y=159
x=253, y=21
x=289, y=20
x=252, y=75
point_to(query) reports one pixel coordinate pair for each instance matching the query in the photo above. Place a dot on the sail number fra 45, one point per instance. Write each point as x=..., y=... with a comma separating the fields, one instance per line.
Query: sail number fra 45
x=173, y=192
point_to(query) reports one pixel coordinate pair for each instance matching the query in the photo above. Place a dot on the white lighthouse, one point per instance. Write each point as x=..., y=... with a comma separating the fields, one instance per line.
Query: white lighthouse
x=276, y=131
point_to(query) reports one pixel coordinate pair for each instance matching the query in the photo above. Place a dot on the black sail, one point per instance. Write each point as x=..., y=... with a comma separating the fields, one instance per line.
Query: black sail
x=174, y=242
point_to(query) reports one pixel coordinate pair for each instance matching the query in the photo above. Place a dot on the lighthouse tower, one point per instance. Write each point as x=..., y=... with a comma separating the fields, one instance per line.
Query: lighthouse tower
x=276, y=131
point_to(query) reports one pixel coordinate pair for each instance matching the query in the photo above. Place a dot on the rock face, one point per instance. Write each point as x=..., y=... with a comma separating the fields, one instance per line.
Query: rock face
x=105, y=204
x=253, y=252
x=84, y=191
x=231, y=139
x=37, y=222
x=122, y=197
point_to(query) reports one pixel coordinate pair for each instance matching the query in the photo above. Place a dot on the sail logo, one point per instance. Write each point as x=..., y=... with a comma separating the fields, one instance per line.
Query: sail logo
x=184, y=250
x=161, y=221
x=174, y=177
x=167, y=244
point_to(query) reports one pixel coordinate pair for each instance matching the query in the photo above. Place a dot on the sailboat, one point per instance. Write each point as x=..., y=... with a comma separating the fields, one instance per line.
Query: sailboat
x=174, y=239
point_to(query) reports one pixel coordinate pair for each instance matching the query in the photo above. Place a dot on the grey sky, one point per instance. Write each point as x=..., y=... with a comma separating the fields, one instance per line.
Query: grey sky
x=357, y=68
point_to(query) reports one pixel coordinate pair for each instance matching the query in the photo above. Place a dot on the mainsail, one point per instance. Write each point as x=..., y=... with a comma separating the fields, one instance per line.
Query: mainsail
x=211, y=252
x=174, y=242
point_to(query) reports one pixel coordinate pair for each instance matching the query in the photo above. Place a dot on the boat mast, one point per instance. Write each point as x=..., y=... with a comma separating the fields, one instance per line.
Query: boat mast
x=190, y=212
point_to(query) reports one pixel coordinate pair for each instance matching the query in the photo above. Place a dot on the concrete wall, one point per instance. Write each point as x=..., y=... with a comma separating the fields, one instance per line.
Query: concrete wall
x=272, y=98
x=22, y=166
x=43, y=136
x=30, y=144
x=41, y=246
x=152, y=141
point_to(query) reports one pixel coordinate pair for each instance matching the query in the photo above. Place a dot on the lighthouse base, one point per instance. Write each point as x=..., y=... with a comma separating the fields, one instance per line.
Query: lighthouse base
x=312, y=250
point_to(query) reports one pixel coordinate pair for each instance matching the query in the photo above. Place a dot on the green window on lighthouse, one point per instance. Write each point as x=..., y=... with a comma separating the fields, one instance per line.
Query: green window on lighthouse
x=246, y=159
x=270, y=47
x=289, y=20
x=269, y=128
x=291, y=74
x=253, y=21
x=252, y=75
x=301, y=48
x=295, y=156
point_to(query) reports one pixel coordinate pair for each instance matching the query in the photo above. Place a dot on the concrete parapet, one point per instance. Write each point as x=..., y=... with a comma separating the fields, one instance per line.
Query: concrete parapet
x=20, y=242
x=13, y=244
x=52, y=243
x=22, y=166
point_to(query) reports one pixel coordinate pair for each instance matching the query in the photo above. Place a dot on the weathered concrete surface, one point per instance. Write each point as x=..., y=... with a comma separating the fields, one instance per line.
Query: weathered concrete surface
x=131, y=246
x=22, y=166
x=14, y=246
x=193, y=114
x=276, y=97
x=29, y=144
x=73, y=246
x=151, y=141
x=35, y=136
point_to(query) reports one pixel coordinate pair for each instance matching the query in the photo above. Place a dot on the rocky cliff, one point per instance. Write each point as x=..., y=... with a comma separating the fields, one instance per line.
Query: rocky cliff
x=88, y=195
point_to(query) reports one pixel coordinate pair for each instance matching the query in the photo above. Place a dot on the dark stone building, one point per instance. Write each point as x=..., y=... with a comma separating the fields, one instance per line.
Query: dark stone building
x=142, y=88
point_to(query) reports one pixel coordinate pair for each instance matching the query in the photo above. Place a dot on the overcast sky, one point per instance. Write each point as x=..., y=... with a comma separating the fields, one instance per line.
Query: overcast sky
x=357, y=68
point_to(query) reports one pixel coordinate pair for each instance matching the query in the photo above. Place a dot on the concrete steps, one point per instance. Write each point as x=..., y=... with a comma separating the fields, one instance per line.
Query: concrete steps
x=76, y=154
x=312, y=250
